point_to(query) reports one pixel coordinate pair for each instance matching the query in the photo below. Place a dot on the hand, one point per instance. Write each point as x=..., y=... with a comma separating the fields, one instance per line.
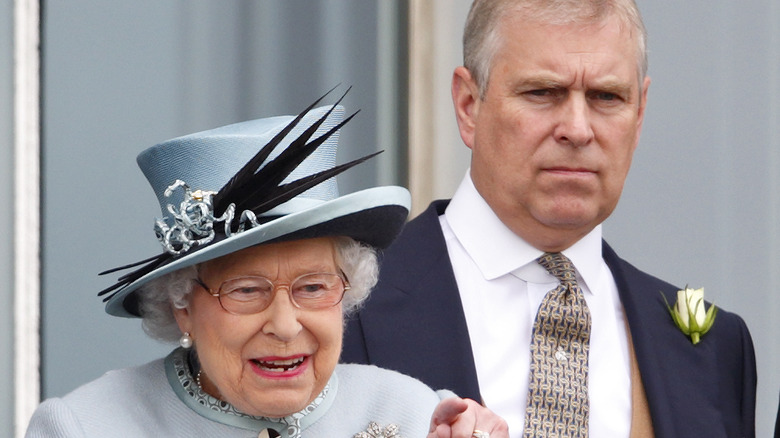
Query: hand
x=458, y=418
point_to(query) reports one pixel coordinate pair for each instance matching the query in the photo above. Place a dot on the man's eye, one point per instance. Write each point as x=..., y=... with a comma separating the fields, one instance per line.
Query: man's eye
x=540, y=92
x=606, y=96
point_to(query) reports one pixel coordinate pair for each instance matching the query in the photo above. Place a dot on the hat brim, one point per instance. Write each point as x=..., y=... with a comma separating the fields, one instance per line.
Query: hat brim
x=373, y=216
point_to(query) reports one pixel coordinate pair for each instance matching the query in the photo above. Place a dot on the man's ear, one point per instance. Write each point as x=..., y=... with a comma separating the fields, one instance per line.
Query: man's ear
x=466, y=100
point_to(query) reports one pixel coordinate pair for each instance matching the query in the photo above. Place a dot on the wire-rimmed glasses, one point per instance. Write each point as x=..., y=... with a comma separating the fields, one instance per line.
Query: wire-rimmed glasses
x=253, y=294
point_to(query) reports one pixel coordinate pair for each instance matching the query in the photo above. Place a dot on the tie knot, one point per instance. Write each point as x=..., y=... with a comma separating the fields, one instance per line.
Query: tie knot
x=558, y=265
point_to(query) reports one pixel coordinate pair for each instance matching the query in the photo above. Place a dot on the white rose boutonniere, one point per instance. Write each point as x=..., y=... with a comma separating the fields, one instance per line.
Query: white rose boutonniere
x=689, y=314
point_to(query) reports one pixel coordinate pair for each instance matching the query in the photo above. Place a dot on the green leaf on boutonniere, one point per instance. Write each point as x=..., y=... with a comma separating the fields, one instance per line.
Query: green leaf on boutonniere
x=689, y=314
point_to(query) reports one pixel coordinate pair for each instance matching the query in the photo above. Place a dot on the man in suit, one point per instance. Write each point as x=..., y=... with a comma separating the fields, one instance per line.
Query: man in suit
x=550, y=100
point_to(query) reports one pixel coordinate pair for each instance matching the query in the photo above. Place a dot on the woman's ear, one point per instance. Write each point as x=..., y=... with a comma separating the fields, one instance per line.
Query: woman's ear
x=183, y=318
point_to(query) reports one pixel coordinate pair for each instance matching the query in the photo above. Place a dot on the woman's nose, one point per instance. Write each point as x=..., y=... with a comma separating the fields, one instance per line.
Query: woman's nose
x=282, y=317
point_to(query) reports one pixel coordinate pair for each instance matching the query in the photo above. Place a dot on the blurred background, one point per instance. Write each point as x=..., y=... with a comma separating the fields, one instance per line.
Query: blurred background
x=701, y=205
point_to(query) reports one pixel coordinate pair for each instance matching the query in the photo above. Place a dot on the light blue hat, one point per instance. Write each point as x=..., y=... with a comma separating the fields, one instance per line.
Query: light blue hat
x=260, y=181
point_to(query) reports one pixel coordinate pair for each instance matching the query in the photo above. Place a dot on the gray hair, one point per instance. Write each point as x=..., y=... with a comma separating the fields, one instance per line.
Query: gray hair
x=160, y=296
x=481, y=34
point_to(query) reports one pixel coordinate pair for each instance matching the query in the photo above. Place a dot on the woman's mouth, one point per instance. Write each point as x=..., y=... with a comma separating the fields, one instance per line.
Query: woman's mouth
x=280, y=365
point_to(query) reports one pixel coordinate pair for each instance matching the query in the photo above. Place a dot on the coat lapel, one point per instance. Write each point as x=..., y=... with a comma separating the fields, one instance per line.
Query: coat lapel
x=682, y=381
x=420, y=305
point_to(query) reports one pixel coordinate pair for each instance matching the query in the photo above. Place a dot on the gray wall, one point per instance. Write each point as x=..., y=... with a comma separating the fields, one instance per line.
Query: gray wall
x=121, y=76
x=6, y=219
x=700, y=206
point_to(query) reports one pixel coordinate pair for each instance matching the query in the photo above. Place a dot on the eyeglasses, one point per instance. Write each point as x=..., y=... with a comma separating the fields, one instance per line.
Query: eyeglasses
x=248, y=295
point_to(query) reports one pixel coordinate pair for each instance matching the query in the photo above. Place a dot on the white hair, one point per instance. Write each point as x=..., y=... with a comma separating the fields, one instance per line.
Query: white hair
x=160, y=296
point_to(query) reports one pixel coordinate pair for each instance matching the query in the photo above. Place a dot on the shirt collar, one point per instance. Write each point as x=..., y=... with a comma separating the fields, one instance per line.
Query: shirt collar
x=497, y=251
x=585, y=254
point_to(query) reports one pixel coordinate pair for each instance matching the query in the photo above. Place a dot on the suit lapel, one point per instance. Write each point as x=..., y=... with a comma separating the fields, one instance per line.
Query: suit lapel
x=680, y=379
x=642, y=338
x=426, y=291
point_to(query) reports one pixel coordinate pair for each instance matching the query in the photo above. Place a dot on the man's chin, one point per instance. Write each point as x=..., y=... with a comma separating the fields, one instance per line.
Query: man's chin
x=571, y=220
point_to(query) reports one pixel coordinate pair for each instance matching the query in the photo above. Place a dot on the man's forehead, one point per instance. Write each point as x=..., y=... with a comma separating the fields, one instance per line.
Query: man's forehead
x=516, y=24
x=601, y=48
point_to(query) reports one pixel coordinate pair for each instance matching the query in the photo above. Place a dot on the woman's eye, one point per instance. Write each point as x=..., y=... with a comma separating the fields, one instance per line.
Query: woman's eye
x=246, y=293
x=246, y=287
x=246, y=290
x=311, y=288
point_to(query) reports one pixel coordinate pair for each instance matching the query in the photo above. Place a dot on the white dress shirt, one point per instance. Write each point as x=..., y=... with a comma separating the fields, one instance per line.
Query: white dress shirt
x=501, y=286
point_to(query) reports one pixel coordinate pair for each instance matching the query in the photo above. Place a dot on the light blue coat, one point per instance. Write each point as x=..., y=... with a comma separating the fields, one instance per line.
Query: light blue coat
x=141, y=402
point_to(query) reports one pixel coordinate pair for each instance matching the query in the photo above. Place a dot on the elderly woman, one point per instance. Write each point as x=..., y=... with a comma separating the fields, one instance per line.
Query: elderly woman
x=262, y=261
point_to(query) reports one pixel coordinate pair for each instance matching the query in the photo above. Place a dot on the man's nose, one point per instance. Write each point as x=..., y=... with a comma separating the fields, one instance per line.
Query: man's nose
x=574, y=127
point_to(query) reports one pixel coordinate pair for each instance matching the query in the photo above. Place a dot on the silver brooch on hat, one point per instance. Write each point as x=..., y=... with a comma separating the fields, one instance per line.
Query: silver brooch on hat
x=194, y=220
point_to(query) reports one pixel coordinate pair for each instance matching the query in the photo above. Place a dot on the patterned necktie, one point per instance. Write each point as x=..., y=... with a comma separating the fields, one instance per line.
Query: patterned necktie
x=558, y=379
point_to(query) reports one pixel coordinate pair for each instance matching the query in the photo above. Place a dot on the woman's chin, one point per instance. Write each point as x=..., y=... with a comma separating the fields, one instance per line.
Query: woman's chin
x=277, y=404
x=277, y=393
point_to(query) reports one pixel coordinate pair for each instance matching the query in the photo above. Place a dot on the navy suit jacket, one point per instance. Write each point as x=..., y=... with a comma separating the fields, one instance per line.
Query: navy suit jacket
x=414, y=323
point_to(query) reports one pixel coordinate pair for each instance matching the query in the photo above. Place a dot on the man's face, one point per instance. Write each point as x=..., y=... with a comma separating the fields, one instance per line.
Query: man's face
x=553, y=137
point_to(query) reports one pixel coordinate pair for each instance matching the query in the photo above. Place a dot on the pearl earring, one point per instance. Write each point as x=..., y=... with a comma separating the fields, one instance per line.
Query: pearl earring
x=185, y=340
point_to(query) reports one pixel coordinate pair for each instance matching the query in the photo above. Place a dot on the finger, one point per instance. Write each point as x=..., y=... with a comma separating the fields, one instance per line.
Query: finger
x=490, y=422
x=466, y=422
x=441, y=431
x=447, y=411
x=478, y=417
x=499, y=429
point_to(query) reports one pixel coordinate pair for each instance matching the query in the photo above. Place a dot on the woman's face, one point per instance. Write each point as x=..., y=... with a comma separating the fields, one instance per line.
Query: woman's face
x=273, y=363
